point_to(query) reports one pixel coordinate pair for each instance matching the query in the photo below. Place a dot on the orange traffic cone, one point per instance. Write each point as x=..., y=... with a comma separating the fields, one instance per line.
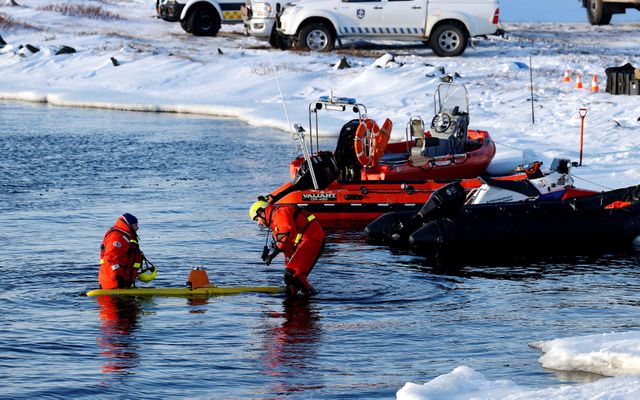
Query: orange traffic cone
x=579, y=81
x=566, y=78
x=594, y=84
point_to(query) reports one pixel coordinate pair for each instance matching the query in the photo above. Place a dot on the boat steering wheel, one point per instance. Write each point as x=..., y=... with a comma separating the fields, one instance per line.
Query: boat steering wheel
x=441, y=122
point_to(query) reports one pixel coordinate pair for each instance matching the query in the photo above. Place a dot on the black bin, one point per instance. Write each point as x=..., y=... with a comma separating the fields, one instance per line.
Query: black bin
x=622, y=80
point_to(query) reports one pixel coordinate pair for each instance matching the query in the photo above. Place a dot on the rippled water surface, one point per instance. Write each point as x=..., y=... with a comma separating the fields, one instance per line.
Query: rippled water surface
x=381, y=319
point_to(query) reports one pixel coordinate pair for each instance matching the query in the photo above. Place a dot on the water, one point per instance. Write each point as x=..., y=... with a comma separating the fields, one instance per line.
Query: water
x=381, y=318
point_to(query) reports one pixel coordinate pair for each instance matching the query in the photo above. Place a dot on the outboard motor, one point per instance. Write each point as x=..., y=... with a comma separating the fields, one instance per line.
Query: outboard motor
x=325, y=168
x=396, y=227
x=348, y=166
x=433, y=235
x=443, y=201
x=383, y=230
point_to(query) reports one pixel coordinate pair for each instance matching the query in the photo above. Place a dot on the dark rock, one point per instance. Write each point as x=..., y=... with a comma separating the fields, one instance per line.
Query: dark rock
x=32, y=49
x=441, y=70
x=385, y=61
x=114, y=62
x=220, y=51
x=343, y=63
x=446, y=78
x=65, y=50
x=2, y=42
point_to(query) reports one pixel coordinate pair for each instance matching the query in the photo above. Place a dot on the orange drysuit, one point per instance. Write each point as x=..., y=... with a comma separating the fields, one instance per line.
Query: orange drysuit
x=301, y=238
x=120, y=257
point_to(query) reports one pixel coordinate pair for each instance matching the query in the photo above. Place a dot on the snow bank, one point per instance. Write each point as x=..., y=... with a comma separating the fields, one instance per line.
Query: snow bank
x=610, y=354
x=463, y=383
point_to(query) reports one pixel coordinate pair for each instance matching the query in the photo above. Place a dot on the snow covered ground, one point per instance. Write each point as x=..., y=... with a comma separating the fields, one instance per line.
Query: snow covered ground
x=161, y=68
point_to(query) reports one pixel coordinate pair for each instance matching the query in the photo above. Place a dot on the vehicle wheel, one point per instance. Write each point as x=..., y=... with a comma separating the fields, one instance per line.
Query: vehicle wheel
x=448, y=40
x=598, y=13
x=316, y=37
x=277, y=41
x=204, y=21
x=184, y=23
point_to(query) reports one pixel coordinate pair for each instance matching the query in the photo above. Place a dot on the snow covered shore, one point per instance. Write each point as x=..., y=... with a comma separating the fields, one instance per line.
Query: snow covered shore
x=162, y=69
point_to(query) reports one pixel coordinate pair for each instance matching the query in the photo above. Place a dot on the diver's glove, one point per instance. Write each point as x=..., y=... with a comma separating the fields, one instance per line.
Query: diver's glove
x=269, y=257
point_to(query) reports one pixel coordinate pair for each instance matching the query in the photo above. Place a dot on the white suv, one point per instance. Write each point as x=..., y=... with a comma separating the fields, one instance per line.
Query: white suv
x=259, y=19
x=445, y=25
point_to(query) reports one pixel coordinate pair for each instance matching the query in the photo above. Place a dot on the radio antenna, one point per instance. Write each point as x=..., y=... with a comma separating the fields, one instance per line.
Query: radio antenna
x=284, y=107
x=533, y=117
x=299, y=130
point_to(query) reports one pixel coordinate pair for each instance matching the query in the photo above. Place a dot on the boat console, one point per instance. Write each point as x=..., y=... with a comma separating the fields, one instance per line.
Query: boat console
x=449, y=126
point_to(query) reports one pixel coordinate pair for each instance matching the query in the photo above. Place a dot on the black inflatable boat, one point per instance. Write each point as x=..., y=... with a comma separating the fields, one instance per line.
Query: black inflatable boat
x=573, y=220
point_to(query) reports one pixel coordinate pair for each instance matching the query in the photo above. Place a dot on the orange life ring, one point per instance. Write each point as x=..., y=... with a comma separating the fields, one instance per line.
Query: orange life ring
x=380, y=142
x=367, y=132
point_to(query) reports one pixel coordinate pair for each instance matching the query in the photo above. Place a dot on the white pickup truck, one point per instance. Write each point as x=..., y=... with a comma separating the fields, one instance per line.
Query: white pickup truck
x=600, y=12
x=259, y=19
x=445, y=25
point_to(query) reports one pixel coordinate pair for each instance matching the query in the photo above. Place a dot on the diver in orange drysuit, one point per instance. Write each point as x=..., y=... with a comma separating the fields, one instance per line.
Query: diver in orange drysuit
x=120, y=255
x=296, y=234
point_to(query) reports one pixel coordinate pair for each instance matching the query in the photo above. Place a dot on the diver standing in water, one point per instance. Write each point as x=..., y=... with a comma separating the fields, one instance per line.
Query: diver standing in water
x=121, y=257
x=298, y=235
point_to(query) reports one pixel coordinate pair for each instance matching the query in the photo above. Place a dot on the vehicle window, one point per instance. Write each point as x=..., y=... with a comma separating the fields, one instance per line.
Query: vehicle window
x=399, y=0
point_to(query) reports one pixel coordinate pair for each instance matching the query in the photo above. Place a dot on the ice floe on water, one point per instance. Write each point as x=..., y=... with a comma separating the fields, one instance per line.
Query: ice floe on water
x=608, y=354
x=463, y=383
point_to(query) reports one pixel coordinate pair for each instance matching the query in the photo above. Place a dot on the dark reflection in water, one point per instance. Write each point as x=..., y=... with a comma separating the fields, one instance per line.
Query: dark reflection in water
x=118, y=322
x=494, y=265
x=291, y=347
x=197, y=301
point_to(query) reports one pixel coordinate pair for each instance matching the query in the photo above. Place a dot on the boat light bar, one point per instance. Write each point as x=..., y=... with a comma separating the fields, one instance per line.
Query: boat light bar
x=333, y=100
